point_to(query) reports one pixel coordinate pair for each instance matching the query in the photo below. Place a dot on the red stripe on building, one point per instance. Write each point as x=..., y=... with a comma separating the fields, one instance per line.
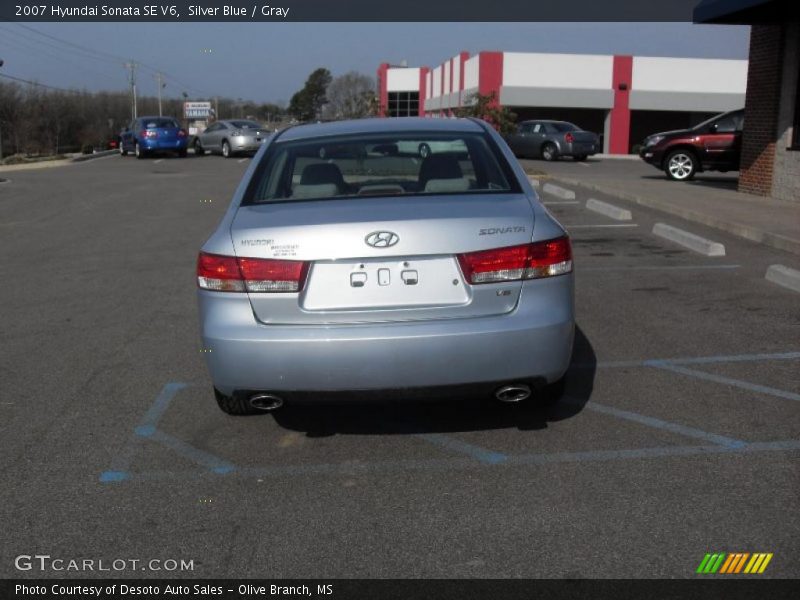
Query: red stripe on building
x=423, y=89
x=383, y=89
x=490, y=74
x=620, y=126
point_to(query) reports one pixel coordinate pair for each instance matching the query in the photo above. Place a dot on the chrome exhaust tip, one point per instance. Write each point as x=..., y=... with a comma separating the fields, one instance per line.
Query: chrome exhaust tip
x=265, y=402
x=516, y=392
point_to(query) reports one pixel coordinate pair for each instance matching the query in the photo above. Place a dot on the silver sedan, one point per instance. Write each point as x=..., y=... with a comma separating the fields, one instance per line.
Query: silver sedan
x=231, y=137
x=344, y=264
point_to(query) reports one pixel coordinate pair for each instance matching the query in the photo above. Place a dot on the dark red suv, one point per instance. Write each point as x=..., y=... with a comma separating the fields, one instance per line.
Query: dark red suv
x=713, y=145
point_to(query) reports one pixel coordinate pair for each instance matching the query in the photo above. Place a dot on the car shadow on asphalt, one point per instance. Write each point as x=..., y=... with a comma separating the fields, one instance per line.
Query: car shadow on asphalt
x=706, y=181
x=450, y=414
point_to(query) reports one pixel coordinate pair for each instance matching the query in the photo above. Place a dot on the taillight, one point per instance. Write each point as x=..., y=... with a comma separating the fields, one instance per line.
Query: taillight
x=149, y=133
x=230, y=274
x=528, y=261
x=181, y=133
x=569, y=138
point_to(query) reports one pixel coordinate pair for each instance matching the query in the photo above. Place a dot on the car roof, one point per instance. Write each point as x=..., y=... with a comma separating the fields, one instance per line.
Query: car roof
x=544, y=121
x=381, y=125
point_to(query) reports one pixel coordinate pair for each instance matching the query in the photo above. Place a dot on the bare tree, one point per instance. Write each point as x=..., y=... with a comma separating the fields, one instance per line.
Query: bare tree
x=351, y=96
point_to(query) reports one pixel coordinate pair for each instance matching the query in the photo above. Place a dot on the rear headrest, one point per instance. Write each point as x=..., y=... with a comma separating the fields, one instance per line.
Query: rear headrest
x=321, y=190
x=439, y=166
x=320, y=173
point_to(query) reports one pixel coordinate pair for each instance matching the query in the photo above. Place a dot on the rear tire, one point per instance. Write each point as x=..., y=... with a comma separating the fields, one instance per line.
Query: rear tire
x=680, y=165
x=198, y=148
x=226, y=149
x=424, y=150
x=552, y=393
x=549, y=152
x=122, y=151
x=233, y=405
x=137, y=150
x=581, y=157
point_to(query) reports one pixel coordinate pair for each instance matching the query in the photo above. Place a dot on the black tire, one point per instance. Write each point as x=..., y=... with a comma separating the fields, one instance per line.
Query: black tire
x=234, y=405
x=122, y=151
x=198, y=148
x=226, y=149
x=680, y=165
x=140, y=154
x=581, y=157
x=552, y=393
x=549, y=151
x=424, y=150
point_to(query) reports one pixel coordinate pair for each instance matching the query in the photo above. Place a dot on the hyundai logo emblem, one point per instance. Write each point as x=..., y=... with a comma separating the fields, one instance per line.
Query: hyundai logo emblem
x=382, y=239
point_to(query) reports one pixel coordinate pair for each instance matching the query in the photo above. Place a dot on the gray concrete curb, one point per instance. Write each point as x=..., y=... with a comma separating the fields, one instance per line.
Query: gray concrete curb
x=101, y=154
x=688, y=240
x=609, y=210
x=558, y=191
x=738, y=229
x=784, y=276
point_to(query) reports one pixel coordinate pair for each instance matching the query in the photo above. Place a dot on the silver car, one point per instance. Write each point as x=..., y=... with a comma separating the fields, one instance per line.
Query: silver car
x=231, y=137
x=551, y=140
x=344, y=264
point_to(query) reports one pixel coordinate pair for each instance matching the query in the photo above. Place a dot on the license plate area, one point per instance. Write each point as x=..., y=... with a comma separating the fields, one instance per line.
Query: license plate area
x=384, y=284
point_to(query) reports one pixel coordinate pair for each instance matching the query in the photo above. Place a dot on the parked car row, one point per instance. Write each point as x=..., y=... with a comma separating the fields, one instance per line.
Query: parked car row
x=146, y=136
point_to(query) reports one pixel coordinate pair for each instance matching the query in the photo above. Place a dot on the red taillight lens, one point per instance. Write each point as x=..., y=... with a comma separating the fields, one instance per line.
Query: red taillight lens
x=181, y=133
x=229, y=274
x=529, y=261
x=149, y=133
x=569, y=138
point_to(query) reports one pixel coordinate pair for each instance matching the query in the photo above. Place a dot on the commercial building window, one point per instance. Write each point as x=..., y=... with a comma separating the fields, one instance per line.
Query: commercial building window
x=403, y=104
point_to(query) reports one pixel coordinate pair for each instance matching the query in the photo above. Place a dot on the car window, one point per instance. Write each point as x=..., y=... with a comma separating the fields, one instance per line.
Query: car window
x=160, y=123
x=538, y=128
x=560, y=127
x=246, y=125
x=526, y=128
x=381, y=165
x=726, y=125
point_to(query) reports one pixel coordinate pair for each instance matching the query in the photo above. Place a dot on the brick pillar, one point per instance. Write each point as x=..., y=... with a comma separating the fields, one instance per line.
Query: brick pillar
x=761, y=109
x=423, y=89
x=383, y=90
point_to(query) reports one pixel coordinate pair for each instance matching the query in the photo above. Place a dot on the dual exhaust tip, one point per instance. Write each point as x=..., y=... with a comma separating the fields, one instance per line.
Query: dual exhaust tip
x=515, y=392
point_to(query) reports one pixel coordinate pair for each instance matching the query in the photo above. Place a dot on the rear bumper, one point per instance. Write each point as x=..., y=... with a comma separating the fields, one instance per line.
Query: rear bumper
x=579, y=148
x=245, y=144
x=165, y=145
x=534, y=341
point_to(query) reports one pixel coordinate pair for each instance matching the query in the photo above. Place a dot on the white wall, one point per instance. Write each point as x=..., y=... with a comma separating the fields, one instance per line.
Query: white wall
x=456, y=73
x=446, y=67
x=471, y=73
x=402, y=80
x=582, y=71
x=437, y=82
x=695, y=75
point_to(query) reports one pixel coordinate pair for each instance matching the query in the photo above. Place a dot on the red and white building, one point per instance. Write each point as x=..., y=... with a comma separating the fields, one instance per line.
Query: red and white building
x=623, y=98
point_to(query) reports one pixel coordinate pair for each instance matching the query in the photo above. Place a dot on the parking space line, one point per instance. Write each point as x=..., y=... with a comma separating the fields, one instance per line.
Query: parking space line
x=151, y=418
x=211, y=462
x=241, y=160
x=481, y=454
x=382, y=467
x=745, y=385
x=661, y=424
x=155, y=162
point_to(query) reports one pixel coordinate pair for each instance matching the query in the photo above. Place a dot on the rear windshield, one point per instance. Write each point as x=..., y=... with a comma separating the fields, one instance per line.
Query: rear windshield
x=246, y=125
x=381, y=165
x=563, y=127
x=154, y=123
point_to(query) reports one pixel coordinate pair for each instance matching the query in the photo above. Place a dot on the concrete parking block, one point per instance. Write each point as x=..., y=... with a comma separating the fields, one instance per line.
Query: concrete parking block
x=558, y=191
x=784, y=276
x=609, y=210
x=689, y=240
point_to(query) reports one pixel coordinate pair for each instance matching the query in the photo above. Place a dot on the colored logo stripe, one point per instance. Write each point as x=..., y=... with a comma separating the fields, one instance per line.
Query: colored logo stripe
x=734, y=563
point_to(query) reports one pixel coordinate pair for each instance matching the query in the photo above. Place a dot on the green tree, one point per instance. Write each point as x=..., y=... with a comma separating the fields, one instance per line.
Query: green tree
x=306, y=104
x=486, y=107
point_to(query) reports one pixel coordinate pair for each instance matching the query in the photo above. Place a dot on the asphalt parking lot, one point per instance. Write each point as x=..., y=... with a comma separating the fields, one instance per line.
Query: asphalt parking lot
x=679, y=433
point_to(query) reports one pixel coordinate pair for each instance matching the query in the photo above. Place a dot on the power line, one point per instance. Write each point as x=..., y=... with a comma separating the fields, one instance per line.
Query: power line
x=44, y=85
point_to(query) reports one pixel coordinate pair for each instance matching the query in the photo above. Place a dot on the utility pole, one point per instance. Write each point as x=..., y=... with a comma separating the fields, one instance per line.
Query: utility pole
x=1, y=128
x=131, y=66
x=160, y=79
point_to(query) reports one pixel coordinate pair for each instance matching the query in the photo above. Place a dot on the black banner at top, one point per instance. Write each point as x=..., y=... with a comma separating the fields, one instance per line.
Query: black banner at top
x=279, y=11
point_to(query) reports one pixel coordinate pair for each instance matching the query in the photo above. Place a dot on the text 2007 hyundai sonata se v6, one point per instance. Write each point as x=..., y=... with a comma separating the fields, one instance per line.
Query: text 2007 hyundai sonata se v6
x=348, y=262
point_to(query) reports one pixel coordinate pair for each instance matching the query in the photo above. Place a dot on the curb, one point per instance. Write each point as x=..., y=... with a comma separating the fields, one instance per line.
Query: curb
x=558, y=191
x=784, y=276
x=689, y=240
x=747, y=232
x=609, y=210
x=101, y=154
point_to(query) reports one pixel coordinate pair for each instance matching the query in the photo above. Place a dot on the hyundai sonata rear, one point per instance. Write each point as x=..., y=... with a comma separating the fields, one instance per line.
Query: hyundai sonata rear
x=347, y=264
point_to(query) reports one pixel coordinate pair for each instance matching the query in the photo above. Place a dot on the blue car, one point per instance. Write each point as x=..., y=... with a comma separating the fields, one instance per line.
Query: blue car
x=148, y=135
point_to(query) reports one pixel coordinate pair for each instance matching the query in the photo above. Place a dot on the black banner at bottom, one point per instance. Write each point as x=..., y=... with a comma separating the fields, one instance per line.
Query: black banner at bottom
x=405, y=589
